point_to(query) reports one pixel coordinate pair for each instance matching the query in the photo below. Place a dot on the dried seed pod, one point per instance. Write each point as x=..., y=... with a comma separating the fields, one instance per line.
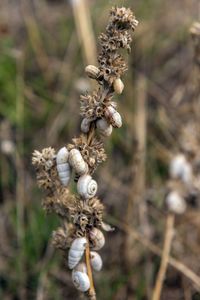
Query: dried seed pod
x=113, y=116
x=64, y=169
x=175, y=202
x=81, y=281
x=77, y=162
x=96, y=261
x=118, y=86
x=86, y=186
x=76, y=251
x=96, y=238
x=85, y=125
x=92, y=71
x=104, y=127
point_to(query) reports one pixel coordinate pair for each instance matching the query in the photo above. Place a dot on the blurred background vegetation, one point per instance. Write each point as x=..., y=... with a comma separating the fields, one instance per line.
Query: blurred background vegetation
x=42, y=61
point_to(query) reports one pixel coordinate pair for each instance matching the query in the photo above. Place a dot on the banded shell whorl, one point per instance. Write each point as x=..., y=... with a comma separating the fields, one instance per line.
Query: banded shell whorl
x=81, y=281
x=87, y=187
x=96, y=261
x=76, y=251
x=112, y=116
x=104, y=127
x=63, y=168
x=96, y=238
x=77, y=162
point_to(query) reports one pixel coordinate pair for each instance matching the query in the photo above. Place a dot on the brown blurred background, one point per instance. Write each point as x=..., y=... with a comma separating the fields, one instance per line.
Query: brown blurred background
x=44, y=48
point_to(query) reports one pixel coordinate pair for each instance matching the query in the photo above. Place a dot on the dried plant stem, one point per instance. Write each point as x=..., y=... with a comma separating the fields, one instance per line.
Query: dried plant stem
x=156, y=250
x=165, y=257
x=84, y=29
x=91, y=292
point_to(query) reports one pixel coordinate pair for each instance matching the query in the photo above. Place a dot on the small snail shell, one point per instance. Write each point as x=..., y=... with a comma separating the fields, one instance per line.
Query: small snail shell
x=62, y=156
x=113, y=116
x=176, y=203
x=96, y=238
x=180, y=168
x=96, y=261
x=81, y=281
x=86, y=186
x=104, y=127
x=64, y=169
x=92, y=71
x=118, y=86
x=77, y=162
x=85, y=125
x=76, y=251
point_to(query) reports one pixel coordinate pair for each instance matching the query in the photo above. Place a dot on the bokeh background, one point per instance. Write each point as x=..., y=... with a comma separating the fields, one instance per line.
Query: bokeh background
x=44, y=48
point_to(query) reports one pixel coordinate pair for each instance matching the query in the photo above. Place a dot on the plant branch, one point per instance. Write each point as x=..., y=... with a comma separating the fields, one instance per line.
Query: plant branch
x=165, y=257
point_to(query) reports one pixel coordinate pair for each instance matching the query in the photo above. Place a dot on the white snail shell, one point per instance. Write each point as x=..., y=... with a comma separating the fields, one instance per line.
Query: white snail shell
x=81, y=281
x=104, y=127
x=86, y=186
x=76, y=251
x=85, y=125
x=180, y=168
x=96, y=238
x=118, y=86
x=96, y=261
x=92, y=71
x=64, y=169
x=176, y=203
x=113, y=116
x=77, y=162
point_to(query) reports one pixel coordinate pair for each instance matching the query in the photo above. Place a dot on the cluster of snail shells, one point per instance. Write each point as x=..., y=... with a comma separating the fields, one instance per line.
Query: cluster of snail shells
x=80, y=278
x=94, y=72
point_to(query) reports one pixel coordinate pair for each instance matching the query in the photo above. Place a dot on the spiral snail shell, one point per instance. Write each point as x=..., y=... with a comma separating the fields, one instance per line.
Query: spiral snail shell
x=64, y=169
x=86, y=186
x=92, y=71
x=96, y=261
x=96, y=238
x=81, y=281
x=118, y=86
x=104, y=127
x=76, y=251
x=77, y=162
x=112, y=116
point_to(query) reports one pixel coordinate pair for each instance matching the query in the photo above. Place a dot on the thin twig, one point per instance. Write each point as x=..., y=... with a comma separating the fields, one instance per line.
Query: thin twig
x=165, y=257
x=91, y=293
x=156, y=250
